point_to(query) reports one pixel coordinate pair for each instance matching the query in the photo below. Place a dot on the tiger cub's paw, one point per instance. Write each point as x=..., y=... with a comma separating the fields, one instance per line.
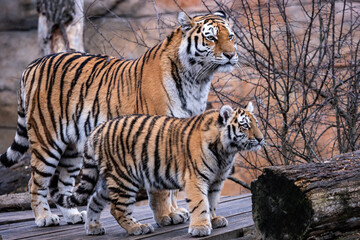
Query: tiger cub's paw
x=76, y=218
x=218, y=222
x=199, y=230
x=141, y=229
x=47, y=220
x=180, y=215
x=94, y=229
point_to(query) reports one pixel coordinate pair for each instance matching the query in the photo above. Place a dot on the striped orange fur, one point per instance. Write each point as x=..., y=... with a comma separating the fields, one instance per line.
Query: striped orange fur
x=63, y=97
x=159, y=152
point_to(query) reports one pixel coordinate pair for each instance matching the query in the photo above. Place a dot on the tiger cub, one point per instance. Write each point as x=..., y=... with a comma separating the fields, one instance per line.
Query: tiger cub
x=159, y=152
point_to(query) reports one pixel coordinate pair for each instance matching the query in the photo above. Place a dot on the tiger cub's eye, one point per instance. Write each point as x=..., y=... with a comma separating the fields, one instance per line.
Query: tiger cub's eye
x=211, y=38
x=231, y=37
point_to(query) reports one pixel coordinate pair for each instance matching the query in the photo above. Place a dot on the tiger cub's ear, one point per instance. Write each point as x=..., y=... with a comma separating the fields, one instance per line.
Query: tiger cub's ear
x=225, y=114
x=249, y=107
x=185, y=21
x=221, y=14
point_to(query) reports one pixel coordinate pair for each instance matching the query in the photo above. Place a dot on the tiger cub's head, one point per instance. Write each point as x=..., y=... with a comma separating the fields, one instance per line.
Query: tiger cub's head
x=208, y=42
x=240, y=130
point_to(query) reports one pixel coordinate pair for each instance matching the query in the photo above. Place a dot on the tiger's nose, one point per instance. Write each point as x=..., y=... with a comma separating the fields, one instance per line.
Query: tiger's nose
x=229, y=55
x=259, y=139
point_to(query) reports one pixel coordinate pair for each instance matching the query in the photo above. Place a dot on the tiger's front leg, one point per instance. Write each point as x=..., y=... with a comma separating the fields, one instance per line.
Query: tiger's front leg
x=165, y=209
x=197, y=199
x=214, y=196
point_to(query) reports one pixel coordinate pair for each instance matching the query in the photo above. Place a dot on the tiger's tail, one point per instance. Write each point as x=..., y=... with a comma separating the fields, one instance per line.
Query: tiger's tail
x=21, y=141
x=88, y=182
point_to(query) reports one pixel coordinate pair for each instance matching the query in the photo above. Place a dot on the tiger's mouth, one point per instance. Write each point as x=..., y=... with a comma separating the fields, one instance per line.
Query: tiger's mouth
x=251, y=145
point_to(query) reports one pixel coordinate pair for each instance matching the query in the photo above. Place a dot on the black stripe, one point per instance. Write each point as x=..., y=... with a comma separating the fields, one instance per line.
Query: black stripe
x=144, y=152
x=168, y=39
x=126, y=204
x=122, y=78
x=229, y=132
x=88, y=165
x=42, y=159
x=19, y=148
x=201, y=174
x=81, y=190
x=131, y=126
x=214, y=190
x=204, y=211
x=120, y=183
x=196, y=206
x=157, y=49
x=157, y=158
x=196, y=39
x=43, y=174
x=89, y=179
x=93, y=75
x=97, y=203
x=21, y=114
x=73, y=170
x=65, y=183
x=178, y=82
x=135, y=140
x=188, y=48
x=95, y=211
x=5, y=161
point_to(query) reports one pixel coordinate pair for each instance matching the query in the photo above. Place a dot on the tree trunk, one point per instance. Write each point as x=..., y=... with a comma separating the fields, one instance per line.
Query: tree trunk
x=61, y=25
x=309, y=201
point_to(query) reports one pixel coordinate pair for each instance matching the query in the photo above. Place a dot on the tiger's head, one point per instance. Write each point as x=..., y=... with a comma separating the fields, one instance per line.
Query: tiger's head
x=208, y=42
x=240, y=130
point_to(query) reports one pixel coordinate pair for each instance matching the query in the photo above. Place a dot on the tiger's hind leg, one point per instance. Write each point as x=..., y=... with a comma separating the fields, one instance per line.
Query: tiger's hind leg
x=165, y=209
x=69, y=168
x=122, y=203
x=96, y=204
x=44, y=161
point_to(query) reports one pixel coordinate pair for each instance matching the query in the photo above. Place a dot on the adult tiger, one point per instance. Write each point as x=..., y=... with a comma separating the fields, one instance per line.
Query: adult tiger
x=62, y=97
x=159, y=152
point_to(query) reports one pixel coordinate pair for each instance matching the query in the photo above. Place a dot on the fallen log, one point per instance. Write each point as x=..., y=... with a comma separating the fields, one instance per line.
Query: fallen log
x=309, y=201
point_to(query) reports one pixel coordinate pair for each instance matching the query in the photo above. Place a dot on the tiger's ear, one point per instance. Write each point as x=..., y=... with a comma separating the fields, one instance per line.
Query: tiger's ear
x=185, y=21
x=225, y=114
x=249, y=107
x=220, y=14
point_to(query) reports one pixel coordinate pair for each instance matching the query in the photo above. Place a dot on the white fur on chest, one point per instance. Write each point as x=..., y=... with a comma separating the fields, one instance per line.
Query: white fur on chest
x=190, y=100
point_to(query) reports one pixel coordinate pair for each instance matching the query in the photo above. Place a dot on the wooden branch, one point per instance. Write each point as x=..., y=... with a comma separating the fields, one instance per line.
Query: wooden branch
x=309, y=201
x=243, y=184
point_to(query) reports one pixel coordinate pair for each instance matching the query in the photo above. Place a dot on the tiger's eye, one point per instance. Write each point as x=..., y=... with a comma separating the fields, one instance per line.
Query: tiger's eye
x=211, y=38
x=231, y=37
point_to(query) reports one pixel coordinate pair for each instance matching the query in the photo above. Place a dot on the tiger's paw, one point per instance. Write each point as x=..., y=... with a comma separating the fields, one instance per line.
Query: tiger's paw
x=141, y=229
x=76, y=218
x=180, y=215
x=218, y=222
x=199, y=230
x=47, y=220
x=94, y=229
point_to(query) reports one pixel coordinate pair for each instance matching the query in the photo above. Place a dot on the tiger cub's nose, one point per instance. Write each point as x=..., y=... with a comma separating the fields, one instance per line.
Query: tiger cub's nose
x=229, y=55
